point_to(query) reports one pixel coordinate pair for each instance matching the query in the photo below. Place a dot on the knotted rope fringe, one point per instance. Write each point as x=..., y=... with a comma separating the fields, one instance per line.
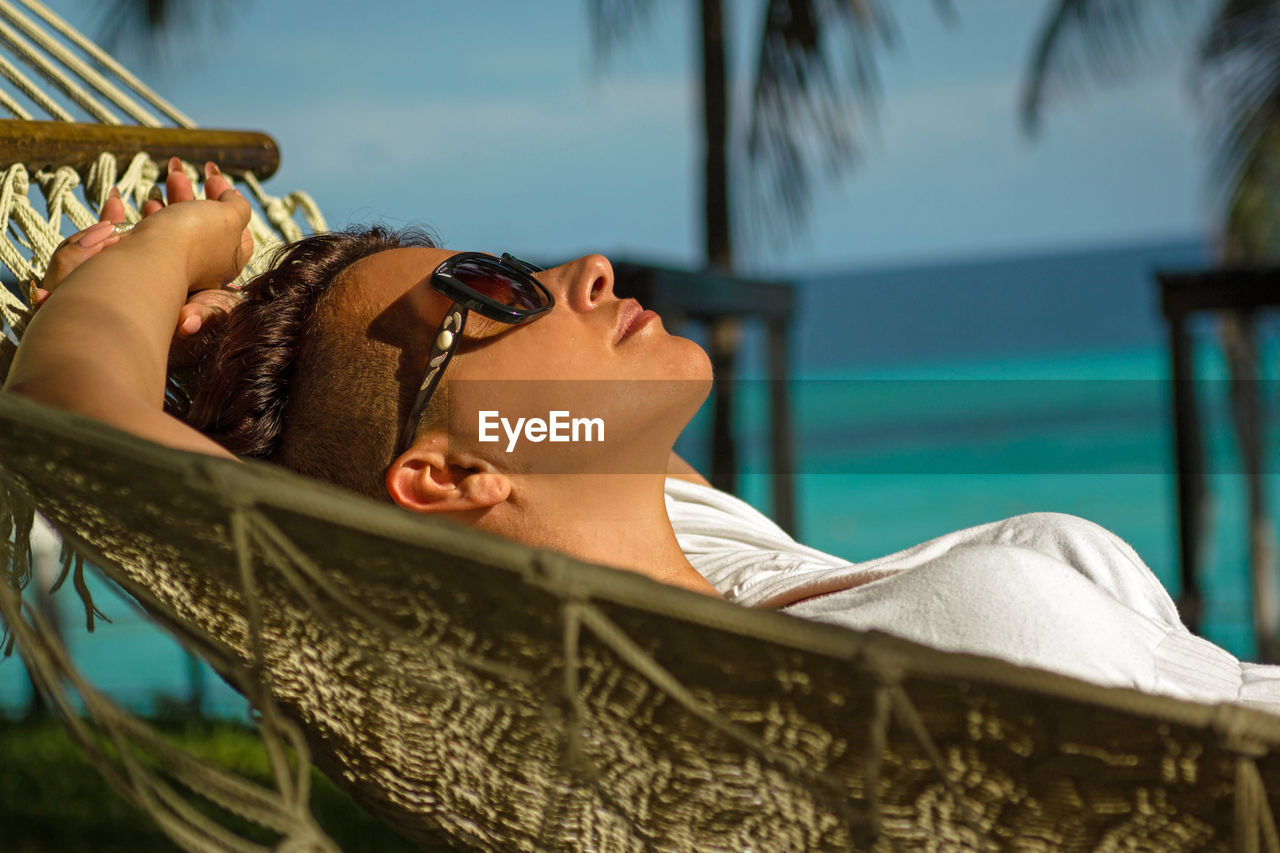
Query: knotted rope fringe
x=1254, y=820
x=40, y=234
x=284, y=810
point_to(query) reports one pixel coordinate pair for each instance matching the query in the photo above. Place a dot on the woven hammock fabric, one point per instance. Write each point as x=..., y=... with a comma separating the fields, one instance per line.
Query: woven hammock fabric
x=471, y=691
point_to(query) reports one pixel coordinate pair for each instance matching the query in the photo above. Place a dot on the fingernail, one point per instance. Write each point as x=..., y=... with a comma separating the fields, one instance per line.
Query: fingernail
x=95, y=234
x=211, y=168
x=175, y=165
x=155, y=194
x=115, y=193
x=41, y=295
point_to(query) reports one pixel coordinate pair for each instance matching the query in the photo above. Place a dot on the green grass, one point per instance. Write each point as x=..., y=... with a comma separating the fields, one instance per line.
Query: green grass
x=52, y=799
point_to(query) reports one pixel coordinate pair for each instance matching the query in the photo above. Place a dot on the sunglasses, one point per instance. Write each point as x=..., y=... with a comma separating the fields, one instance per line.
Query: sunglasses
x=502, y=289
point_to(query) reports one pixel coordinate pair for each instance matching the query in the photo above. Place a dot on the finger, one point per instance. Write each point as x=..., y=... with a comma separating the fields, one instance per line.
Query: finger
x=190, y=319
x=40, y=296
x=246, y=246
x=236, y=200
x=113, y=207
x=233, y=197
x=177, y=184
x=215, y=183
x=202, y=306
x=77, y=249
x=213, y=301
x=89, y=237
x=193, y=316
x=154, y=202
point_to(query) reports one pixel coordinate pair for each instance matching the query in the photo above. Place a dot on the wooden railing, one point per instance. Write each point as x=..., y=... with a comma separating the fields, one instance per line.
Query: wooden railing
x=1243, y=293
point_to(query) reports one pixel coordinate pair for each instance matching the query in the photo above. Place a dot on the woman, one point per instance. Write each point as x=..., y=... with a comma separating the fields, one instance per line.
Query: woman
x=383, y=363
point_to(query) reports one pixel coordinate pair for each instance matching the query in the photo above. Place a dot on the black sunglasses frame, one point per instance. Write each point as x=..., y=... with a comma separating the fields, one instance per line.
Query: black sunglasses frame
x=465, y=299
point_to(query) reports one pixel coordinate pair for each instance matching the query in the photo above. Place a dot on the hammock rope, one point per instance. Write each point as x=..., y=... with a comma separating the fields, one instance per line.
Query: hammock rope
x=58, y=679
x=98, y=55
x=473, y=692
x=79, y=69
x=49, y=69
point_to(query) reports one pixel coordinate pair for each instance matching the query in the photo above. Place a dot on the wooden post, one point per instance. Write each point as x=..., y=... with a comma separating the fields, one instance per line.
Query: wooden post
x=784, y=473
x=718, y=235
x=1239, y=332
x=1190, y=467
x=723, y=350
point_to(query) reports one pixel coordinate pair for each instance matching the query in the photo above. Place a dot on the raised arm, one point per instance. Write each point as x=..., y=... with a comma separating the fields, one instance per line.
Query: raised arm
x=99, y=344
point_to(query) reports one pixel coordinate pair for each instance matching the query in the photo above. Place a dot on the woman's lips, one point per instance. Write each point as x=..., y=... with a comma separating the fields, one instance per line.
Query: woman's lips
x=632, y=317
x=638, y=321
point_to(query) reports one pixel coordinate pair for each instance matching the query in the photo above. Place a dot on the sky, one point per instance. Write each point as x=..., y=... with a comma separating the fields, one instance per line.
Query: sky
x=494, y=124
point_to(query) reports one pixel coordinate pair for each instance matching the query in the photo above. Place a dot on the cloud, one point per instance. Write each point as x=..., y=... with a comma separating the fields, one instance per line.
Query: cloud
x=954, y=113
x=985, y=111
x=393, y=131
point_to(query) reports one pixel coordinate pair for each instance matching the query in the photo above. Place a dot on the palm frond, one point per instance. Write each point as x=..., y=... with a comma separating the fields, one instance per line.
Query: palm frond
x=613, y=22
x=1232, y=28
x=1219, y=35
x=1251, y=224
x=140, y=30
x=1099, y=41
x=816, y=84
x=1239, y=80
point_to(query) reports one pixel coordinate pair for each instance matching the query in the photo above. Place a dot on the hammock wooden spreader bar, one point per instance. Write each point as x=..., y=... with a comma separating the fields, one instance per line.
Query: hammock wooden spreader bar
x=50, y=144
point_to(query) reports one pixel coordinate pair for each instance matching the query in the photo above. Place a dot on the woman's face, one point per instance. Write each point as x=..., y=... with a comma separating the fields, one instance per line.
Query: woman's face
x=593, y=355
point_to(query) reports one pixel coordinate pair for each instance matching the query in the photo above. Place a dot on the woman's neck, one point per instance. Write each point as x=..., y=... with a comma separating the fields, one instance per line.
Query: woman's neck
x=617, y=520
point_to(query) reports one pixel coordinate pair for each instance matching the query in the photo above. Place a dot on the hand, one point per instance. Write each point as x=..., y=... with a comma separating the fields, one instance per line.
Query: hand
x=203, y=305
x=212, y=235
x=202, y=308
x=80, y=247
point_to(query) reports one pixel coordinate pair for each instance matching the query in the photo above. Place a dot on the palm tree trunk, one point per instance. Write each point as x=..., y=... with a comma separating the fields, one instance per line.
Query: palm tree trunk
x=723, y=343
x=1239, y=336
x=715, y=113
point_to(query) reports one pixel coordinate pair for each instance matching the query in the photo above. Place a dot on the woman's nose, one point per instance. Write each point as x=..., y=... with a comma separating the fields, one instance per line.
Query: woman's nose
x=585, y=283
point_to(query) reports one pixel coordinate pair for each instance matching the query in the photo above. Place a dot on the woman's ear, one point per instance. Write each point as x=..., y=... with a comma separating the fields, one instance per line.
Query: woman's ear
x=426, y=478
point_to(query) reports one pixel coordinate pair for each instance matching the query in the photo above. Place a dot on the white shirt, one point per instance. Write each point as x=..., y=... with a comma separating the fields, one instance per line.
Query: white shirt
x=1046, y=590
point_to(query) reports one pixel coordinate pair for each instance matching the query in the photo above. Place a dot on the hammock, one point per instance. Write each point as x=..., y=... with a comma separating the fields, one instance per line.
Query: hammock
x=475, y=693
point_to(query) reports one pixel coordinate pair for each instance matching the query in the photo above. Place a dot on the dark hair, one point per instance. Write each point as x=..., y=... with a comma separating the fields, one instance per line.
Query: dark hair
x=287, y=380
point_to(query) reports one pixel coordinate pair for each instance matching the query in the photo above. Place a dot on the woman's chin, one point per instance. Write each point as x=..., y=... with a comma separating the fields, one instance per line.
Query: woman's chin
x=693, y=376
x=695, y=363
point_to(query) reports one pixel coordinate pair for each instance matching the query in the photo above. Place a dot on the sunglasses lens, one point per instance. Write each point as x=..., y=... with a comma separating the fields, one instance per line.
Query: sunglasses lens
x=499, y=285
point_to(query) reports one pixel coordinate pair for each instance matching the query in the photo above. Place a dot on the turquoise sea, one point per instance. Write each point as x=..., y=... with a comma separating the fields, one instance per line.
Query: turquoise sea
x=927, y=397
